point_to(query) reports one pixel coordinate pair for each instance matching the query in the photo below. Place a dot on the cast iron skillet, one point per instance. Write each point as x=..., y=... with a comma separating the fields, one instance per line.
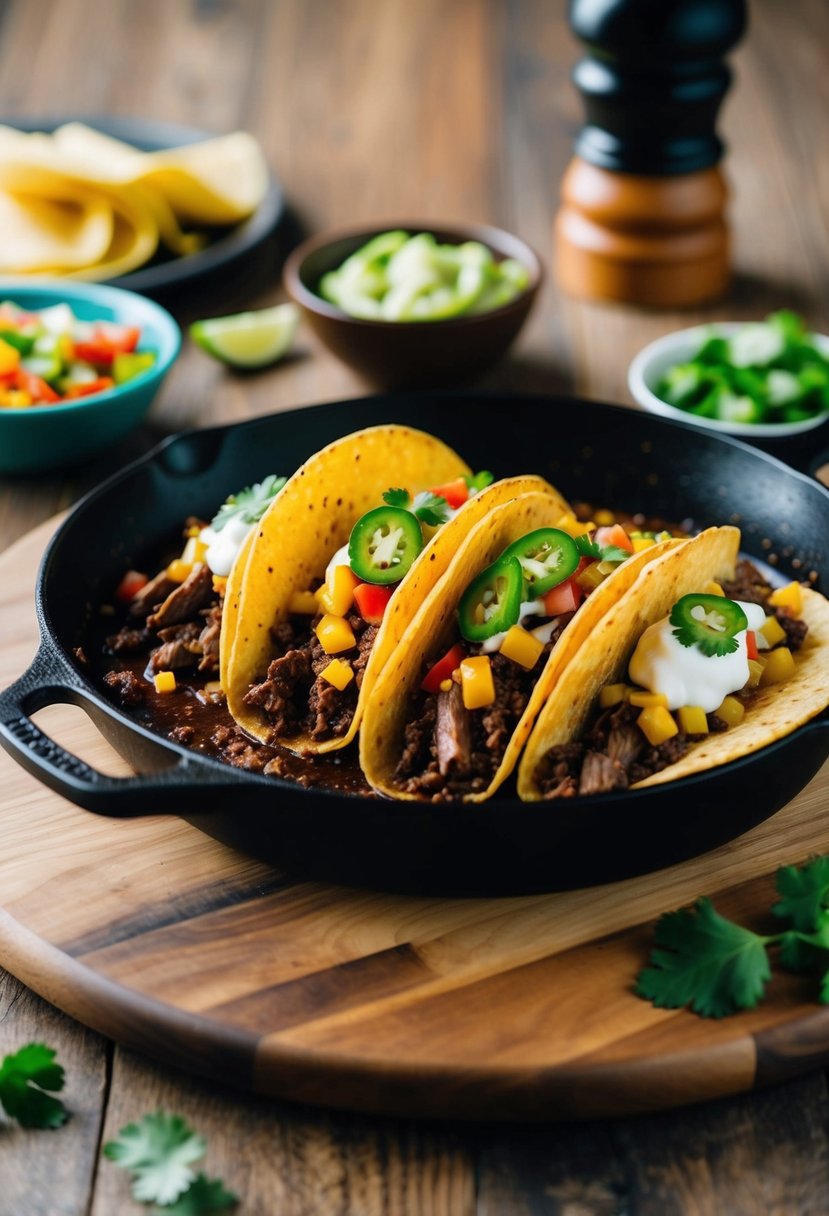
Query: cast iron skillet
x=601, y=453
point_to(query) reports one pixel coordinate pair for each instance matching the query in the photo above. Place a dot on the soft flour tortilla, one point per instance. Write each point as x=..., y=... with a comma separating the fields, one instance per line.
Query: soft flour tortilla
x=433, y=627
x=309, y=520
x=773, y=712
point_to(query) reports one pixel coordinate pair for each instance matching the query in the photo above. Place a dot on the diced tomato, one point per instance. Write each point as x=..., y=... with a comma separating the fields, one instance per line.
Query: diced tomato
x=85, y=390
x=751, y=644
x=130, y=585
x=566, y=597
x=614, y=534
x=455, y=492
x=371, y=601
x=107, y=341
x=35, y=386
x=443, y=669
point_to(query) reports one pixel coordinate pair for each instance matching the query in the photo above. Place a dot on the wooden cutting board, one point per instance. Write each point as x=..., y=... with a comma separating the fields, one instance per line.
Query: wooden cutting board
x=175, y=945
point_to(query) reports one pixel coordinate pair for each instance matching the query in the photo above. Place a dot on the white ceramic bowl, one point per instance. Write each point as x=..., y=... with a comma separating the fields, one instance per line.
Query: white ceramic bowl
x=653, y=361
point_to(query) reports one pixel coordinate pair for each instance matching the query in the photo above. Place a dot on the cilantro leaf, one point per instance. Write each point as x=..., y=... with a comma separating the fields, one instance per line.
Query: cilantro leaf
x=804, y=892
x=24, y=1079
x=614, y=553
x=431, y=508
x=158, y=1151
x=249, y=504
x=708, y=962
x=797, y=953
x=708, y=644
x=602, y=553
x=201, y=1197
x=479, y=481
x=397, y=498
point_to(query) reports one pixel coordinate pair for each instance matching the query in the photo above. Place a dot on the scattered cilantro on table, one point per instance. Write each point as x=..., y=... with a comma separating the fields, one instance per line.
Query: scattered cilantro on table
x=717, y=967
x=28, y=1078
x=159, y=1152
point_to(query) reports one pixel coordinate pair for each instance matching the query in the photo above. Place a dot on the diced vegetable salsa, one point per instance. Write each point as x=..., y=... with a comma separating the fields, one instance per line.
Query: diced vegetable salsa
x=770, y=371
x=398, y=277
x=51, y=356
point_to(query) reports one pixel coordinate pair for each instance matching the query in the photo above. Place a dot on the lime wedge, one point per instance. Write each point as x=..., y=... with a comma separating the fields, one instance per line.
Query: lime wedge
x=248, y=339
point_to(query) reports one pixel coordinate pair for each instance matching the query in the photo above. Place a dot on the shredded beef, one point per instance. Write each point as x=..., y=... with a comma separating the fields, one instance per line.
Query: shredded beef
x=209, y=639
x=180, y=647
x=235, y=748
x=128, y=641
x=747, y=585
x=129, y=688
x=186, y=600
x=558, y=772
x=600, y=773
x=152, y=594
x=795, y=629
x=453, y=733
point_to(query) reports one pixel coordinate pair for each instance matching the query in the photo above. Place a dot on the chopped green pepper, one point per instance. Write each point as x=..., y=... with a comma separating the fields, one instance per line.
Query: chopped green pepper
x=548, y=556
x=709, y=622
x=492, y=601
x=383, y=544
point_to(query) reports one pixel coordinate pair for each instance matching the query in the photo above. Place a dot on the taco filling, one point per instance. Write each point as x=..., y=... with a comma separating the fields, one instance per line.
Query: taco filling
x=321, y=650
x=693, y=673
x=471, y=697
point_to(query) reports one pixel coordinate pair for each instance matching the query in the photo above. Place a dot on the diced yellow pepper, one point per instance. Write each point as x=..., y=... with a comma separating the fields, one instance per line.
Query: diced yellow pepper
x=338, y=673
x=647, y=700
x=755, y=672
x=194, y=551
x=178, y=570
x=193, y=530
x=613, y=694
x=642, y=542
x=15, y=399
x=9, y=358
x=591, y=576
x=521, y=647
x=605, y=518
x=165, y=681
x=779, y=666
x=446, y=685
x=789, y=598
x=731, y=711
x=656, y=724
x=219, y=584
x=773, y=631
x=303, y=603
x=712, y=588
x=476, y=682
x=575, y=527
x=335, y=634
x=692, y=720
x=336, y=595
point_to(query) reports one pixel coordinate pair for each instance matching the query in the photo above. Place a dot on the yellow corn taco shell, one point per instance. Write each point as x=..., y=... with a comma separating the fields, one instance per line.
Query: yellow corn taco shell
x=433, y=628
x=309, y=520
x=711, y=555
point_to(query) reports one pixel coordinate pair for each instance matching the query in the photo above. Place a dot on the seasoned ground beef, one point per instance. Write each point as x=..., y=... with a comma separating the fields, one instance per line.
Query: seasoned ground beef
x=749, y=585
x=130, y=690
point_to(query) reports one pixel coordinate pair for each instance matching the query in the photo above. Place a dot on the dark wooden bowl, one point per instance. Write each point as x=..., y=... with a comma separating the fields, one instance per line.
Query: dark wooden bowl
x=409, y=354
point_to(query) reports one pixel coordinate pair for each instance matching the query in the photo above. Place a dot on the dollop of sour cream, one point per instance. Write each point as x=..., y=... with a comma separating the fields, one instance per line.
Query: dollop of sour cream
x=683, y=674
x=224, y=547
x=340, y=558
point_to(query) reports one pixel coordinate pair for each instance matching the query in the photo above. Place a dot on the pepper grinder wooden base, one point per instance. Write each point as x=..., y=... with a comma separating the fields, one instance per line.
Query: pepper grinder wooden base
x=659, y=241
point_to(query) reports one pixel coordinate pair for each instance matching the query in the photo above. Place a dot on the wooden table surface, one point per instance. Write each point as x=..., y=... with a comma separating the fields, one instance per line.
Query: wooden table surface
x=369, y=110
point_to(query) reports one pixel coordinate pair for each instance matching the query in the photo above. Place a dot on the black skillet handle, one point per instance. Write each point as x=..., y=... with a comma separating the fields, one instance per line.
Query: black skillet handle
x=178, y=786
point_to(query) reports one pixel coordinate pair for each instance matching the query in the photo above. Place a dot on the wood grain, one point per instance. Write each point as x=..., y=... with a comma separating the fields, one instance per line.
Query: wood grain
x=505, y=1008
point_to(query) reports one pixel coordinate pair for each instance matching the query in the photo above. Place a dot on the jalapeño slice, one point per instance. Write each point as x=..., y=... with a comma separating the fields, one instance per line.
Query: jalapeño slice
x=383, y=544
x=709, y=622
x=492, y=601
x=547, y=556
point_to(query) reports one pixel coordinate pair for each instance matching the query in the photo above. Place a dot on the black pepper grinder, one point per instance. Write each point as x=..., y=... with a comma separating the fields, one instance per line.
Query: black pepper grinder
x=643, y=200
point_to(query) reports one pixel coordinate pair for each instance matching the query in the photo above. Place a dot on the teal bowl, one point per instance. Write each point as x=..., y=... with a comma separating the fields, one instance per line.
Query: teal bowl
x=45, y=437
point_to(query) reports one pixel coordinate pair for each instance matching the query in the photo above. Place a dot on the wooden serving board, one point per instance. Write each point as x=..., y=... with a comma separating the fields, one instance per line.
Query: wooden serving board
x=175, y=945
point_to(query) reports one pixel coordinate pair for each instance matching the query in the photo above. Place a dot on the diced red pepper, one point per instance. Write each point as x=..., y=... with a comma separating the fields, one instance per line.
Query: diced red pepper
x=613, y=534
x=106, y=342
x=443, y=669
x=130, y=585
x=94, y=386
x=35, y=386
x=566, y=597
x=371, y=601
x=751, y=644
x=455, y=492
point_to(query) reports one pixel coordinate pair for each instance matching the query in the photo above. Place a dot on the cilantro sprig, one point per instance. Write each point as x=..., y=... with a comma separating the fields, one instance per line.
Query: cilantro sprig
x=475, y=482
x=602, y=553
x=160, y=1151
x=718, y=967
x=28, y=1079
x=429, y=508
x=249, y=504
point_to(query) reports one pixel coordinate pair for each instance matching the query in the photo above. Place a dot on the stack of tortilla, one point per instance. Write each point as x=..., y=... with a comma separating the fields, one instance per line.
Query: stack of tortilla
x=81, y=204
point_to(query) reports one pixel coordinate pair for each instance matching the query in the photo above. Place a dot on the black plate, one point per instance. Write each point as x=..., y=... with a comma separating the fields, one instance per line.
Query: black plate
x=604, y=453
x=230, y=251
